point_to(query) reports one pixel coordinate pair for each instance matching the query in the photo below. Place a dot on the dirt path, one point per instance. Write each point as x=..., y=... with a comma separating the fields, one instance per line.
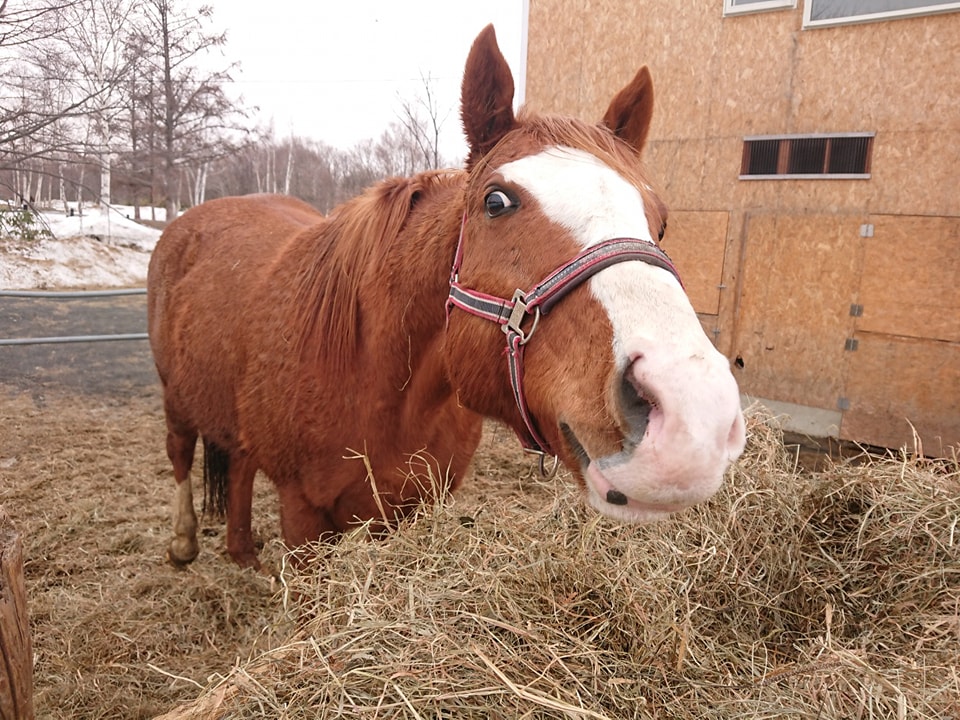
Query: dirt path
x=118, y=368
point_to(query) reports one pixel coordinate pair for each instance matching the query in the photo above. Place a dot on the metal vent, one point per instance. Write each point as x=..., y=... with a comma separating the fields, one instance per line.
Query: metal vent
x=807, y=156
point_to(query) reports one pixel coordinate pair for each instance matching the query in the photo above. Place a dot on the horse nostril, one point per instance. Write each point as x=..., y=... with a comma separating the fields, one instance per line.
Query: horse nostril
x=636, y=411
x=615, y=497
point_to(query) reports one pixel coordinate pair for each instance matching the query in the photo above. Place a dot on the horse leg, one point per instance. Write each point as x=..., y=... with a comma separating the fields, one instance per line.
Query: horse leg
x=183, y=547
x=239, y=522
x=300, y=521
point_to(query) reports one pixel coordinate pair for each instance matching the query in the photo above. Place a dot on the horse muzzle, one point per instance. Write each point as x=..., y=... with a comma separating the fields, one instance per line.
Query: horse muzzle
x=682, y=427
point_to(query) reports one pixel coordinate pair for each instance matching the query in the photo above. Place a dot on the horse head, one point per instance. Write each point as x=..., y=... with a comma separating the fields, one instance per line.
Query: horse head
x=609, y=368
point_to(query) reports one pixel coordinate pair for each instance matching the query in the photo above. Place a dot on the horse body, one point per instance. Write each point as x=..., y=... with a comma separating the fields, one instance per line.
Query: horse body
x=229, y=350
x=363, y=378
x=296, y=343
x=209, y=267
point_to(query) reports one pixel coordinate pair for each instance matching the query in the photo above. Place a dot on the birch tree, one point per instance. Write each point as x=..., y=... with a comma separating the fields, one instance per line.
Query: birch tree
x=196, y=118
x=98, y=34
x=38, y=108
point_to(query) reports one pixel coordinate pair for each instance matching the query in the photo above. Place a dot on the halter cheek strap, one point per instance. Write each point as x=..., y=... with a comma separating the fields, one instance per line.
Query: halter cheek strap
x=511, y=314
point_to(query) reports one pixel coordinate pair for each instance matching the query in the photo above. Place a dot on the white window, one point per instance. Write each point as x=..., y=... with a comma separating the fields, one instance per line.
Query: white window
x=823, y=13
x=739, y=7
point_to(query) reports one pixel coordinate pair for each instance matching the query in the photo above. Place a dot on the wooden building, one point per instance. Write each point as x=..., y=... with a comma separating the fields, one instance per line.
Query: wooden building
x=811, y=163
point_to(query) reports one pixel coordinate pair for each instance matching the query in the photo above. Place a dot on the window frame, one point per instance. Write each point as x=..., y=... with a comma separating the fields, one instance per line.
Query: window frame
x=810, y=176
x=730, y=7
x=933, y=8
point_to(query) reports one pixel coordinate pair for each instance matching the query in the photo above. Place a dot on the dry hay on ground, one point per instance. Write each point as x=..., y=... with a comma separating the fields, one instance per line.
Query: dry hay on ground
x=118, y=632
x=834, y=595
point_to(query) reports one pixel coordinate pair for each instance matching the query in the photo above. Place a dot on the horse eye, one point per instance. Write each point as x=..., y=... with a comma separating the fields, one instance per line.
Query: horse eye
x=663, y=229
x=497, y=202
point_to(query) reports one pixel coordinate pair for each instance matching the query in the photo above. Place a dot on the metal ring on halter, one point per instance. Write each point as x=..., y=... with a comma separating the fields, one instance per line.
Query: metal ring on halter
x=544, y=473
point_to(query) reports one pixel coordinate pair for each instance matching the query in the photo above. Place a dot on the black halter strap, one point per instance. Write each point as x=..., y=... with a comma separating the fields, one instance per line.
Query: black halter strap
x=512, y=314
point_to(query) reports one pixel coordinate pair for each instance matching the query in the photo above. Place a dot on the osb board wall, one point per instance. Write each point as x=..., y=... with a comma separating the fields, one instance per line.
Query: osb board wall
x=718, y=79
x=897, y=381
x=911, y=279
x=580, y=53
x=695, y=242
x=799, y=279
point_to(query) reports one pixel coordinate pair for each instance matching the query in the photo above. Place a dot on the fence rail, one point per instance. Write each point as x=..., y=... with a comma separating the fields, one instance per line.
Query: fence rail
x=72, y=295
x=63, y=339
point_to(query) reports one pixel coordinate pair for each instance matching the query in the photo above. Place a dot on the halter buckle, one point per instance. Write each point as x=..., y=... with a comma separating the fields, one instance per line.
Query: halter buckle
x=517, y=315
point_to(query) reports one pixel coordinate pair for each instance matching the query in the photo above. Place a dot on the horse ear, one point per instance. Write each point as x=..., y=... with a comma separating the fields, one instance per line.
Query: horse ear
x=631, y=109
x=486, y=96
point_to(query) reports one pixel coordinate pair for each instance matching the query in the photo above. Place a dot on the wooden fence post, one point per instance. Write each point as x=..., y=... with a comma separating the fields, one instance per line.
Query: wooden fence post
x=16, y=670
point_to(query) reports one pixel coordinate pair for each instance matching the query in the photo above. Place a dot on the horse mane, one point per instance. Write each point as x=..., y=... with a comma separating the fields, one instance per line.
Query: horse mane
x=571, y=132
x=352, y=242
x=598, y=140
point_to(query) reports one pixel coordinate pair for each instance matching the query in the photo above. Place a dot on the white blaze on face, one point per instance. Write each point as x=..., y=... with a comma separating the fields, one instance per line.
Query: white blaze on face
x=595, y=203
x=695, y=426
x=576, y=190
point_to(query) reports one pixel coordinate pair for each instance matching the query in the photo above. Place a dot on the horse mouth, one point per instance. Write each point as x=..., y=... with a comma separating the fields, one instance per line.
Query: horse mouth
x=604, y=495
x=576, y=448
x=636, y=407
x=592, y=473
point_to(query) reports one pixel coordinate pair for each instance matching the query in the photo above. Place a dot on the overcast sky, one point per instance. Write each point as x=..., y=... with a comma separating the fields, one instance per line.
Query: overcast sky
x=335, y=71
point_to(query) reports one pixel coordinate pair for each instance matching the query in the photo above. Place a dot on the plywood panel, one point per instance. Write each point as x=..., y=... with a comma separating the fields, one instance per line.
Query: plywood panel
x=695, y=241
x=915, y=172
x=554, y=57
x=718, y=79
x=911, y=278
x=893, y=75
x=894, y=380
x=799, y=278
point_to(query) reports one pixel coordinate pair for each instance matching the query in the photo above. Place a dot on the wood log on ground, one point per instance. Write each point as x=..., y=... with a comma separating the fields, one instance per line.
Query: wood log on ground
x=16, y=671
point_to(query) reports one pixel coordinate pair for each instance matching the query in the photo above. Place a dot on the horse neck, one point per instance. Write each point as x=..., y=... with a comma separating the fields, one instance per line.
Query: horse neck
x=416, y=270
x=402, y=306
x=377, y=266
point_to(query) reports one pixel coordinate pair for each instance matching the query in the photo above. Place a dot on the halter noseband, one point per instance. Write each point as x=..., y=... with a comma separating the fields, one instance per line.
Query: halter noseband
x=511, y=314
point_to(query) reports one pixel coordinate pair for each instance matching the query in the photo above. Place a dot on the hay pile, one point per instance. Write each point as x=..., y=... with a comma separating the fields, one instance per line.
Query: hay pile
x=835, y=595
x=118, y=632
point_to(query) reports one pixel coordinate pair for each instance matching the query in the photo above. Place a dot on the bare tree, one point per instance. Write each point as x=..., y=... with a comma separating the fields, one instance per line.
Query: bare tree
x=322, y=175
x=422, y=121
x=197, y=121
x=35, y=104
x=97, y=33
x=60, y=91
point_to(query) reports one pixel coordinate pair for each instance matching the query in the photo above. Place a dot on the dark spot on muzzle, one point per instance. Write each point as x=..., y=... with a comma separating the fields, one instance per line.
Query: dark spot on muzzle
x=615, y=497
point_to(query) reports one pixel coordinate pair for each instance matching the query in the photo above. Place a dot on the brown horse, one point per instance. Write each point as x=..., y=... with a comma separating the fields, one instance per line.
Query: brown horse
x=528, y=287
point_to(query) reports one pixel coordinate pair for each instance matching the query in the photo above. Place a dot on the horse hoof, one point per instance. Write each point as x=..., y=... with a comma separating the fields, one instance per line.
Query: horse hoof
x=181, y=552
x=247, y=560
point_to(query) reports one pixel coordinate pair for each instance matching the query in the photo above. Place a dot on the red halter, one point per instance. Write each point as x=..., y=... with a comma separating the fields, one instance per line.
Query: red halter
x=511, y=314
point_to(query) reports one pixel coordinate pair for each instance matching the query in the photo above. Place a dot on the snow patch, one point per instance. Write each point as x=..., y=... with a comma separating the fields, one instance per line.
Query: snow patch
x=98, y=249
